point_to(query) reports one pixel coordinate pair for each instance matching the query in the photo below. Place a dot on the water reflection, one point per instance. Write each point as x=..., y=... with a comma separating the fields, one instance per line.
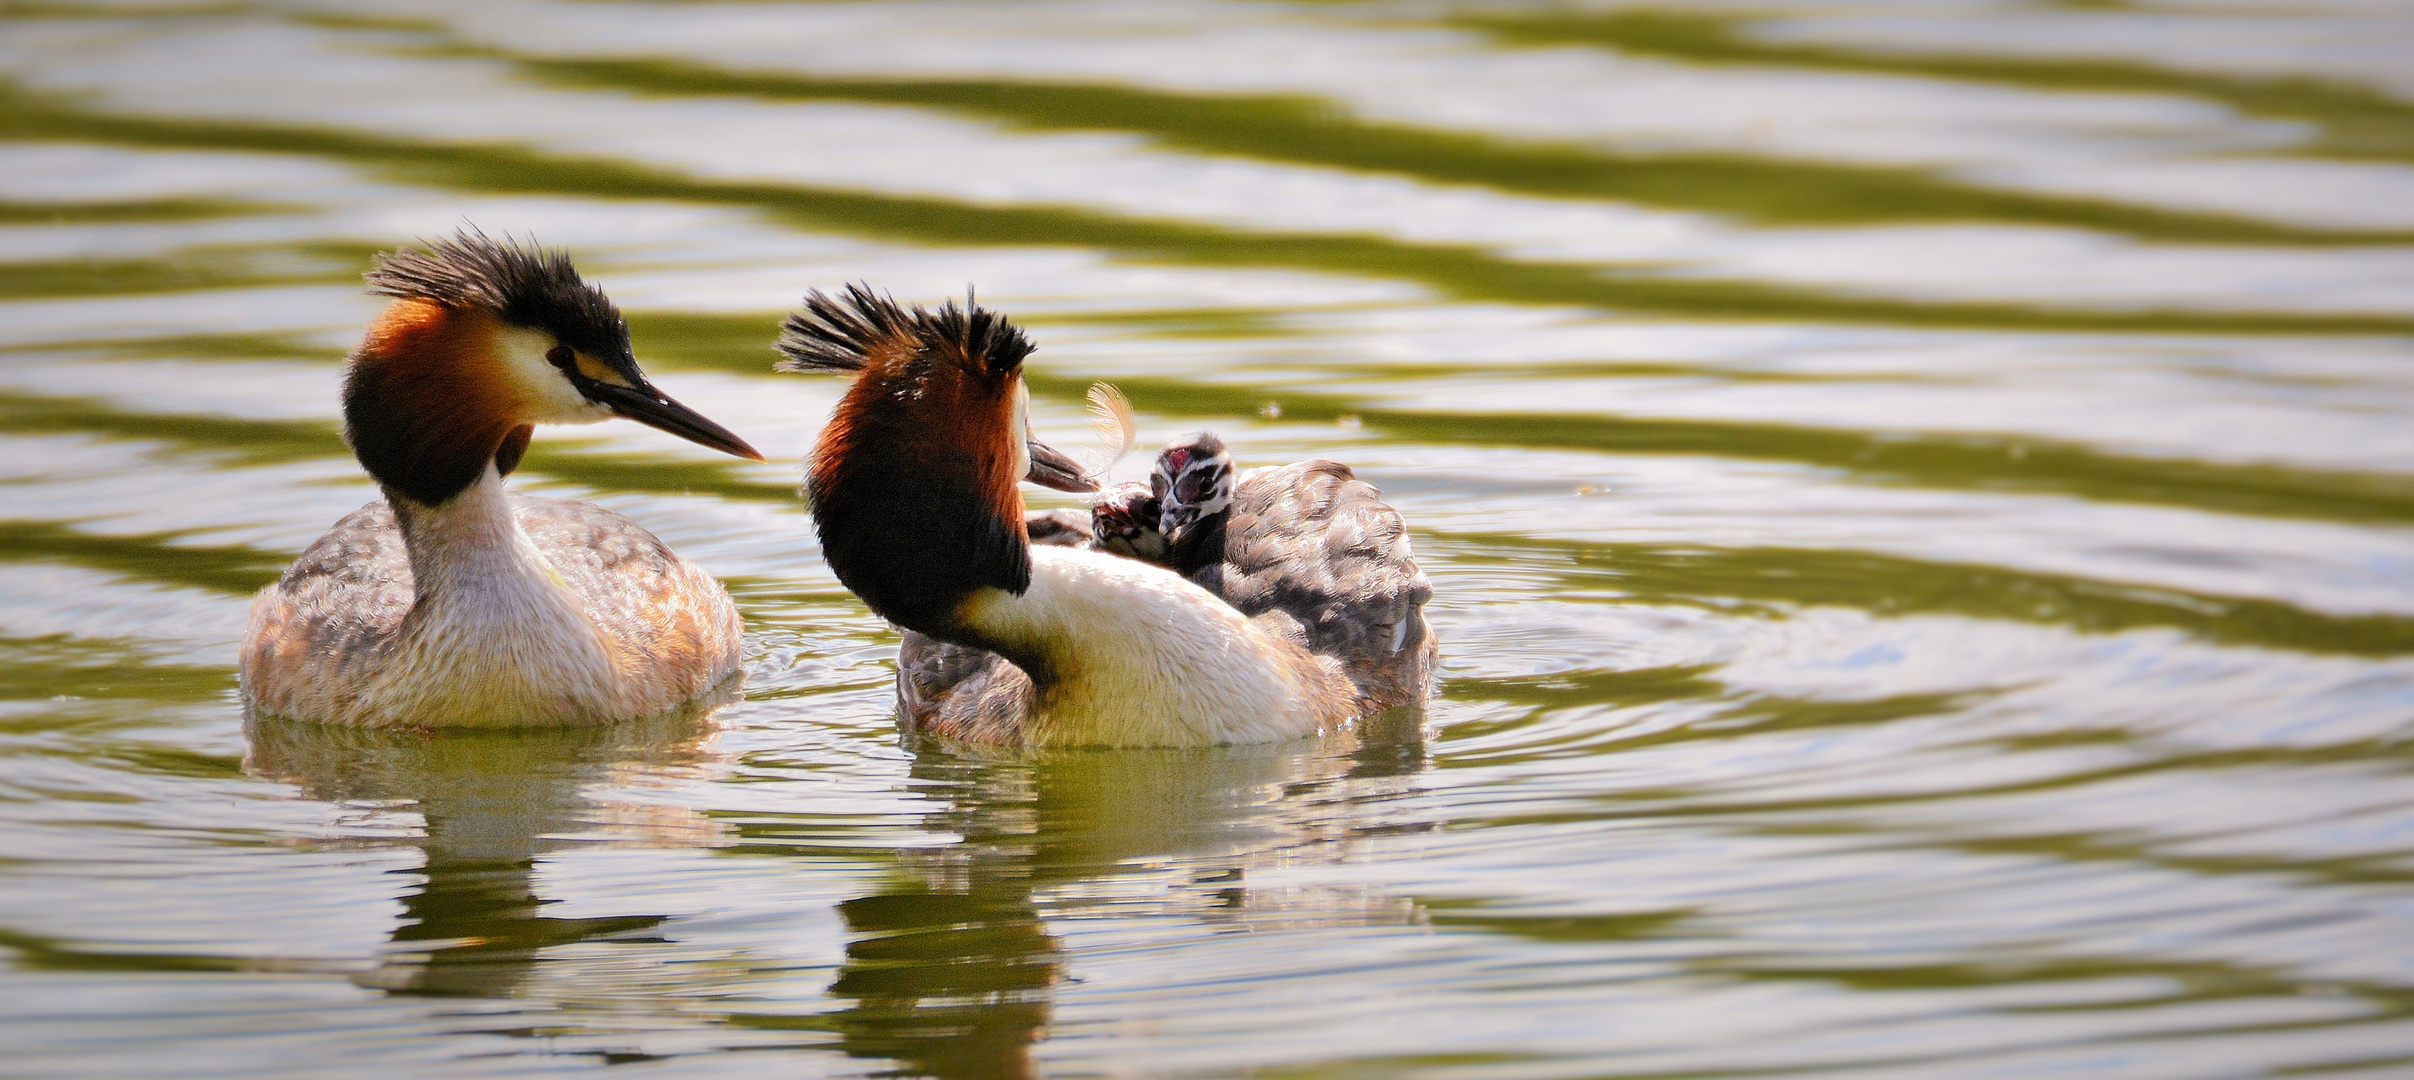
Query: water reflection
x=493, y=801
x=954, y=969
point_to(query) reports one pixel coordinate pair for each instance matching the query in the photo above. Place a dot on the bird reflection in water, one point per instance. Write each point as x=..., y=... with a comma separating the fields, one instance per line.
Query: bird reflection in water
x=493, y=801
x=953, y=970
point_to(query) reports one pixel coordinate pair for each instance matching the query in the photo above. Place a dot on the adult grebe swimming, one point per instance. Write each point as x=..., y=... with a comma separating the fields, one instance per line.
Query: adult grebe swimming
x=913, y=492
x=452, y=602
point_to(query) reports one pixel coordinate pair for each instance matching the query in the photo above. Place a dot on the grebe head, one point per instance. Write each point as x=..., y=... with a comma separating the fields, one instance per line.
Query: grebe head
x=1192, y=481
x=484, y=339
x=1124, y=520
x=913, y=482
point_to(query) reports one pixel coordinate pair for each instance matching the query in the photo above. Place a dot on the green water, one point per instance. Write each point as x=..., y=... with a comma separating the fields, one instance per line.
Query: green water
x=1920, y=501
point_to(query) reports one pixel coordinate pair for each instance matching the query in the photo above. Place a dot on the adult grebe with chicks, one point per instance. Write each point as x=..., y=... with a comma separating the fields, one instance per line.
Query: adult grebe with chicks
x=913, y=491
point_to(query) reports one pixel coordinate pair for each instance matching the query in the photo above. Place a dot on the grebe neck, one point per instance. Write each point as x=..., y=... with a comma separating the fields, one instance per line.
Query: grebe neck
x=470, y=543
x=1119, y=652
x=1199, y=546
x=426, y=409
x=493, y=629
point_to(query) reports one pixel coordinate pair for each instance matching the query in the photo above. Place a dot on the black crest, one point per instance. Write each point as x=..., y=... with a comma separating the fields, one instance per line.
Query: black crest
x=839, y=333
x=523, y=285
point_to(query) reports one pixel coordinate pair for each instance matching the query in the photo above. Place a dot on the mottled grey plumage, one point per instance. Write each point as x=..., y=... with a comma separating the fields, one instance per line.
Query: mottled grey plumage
x=1311, y=543
x=349, y=591
x=1070, y=528
x=359, y=577
x=959, y=692
x=966, y=693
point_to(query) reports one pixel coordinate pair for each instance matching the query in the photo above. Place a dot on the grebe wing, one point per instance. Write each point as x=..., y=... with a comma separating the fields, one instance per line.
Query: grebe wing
x=350, y=588
x=589, y=545
x=641, y=594
x=959, y=692
x=335, y=612
x=1313, y=542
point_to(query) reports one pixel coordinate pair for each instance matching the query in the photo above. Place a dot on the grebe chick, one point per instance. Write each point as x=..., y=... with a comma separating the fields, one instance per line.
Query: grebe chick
x=1124, y=521
x=913, y=493
x=1306, y=548
x=452, y=602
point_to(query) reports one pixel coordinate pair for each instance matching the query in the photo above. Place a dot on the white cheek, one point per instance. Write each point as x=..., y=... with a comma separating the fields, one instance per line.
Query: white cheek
x=1022, y=430
x=551, y=398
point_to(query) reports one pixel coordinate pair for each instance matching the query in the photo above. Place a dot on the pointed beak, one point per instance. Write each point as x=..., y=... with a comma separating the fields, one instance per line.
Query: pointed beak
x=1051, y=467
x=1173, y=520
x=654, y=408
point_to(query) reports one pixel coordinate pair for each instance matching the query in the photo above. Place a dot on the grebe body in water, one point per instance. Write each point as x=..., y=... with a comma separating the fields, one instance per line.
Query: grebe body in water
x=452, y=602
x=913, y=492
x=1066, y=644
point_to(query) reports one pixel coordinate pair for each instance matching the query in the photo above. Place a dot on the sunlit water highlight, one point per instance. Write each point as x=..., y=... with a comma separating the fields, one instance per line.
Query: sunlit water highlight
x=1920, y=500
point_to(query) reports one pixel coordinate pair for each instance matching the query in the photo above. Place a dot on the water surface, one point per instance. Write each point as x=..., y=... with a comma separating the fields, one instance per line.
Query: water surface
x=1920, y=500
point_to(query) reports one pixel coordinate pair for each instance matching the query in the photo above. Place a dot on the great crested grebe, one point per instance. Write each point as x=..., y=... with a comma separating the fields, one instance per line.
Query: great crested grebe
x=451, y=602
x=913, y=492
x=1307, y=548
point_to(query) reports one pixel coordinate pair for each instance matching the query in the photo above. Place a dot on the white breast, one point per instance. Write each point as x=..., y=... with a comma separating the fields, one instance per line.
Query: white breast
x=1133, y=655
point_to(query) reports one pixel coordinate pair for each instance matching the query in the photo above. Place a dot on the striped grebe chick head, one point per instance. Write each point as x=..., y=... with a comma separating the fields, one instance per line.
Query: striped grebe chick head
x=1192, y=482
x=485, y=338
x=1125, y=520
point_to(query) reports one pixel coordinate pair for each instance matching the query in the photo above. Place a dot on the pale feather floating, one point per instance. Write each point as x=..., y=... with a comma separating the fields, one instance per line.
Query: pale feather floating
x=1117, y=428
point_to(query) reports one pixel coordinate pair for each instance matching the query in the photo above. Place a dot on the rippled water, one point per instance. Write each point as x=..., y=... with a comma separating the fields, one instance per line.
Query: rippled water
x=1920, y=500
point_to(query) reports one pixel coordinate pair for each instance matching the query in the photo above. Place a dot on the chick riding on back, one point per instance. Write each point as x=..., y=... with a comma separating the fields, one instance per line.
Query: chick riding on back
x=1307, y=550
x=913, y=493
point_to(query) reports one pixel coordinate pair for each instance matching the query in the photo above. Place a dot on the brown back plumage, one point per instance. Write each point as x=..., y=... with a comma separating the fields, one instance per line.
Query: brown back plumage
x=337, y=616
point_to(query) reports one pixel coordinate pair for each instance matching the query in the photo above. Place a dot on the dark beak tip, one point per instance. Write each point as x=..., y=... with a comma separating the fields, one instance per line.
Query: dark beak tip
x=658, y=410
x=732, y=446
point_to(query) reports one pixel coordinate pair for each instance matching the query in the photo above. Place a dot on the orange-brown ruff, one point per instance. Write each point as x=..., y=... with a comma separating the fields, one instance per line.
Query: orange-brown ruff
x=913, y=491
x=453, y=602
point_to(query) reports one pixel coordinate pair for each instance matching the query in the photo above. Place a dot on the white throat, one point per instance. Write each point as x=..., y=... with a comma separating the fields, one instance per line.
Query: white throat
x=493, y=634
x=1134, y=655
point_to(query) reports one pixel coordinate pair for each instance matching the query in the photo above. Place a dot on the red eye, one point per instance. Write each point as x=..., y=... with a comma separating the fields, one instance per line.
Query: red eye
x=561, y=357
